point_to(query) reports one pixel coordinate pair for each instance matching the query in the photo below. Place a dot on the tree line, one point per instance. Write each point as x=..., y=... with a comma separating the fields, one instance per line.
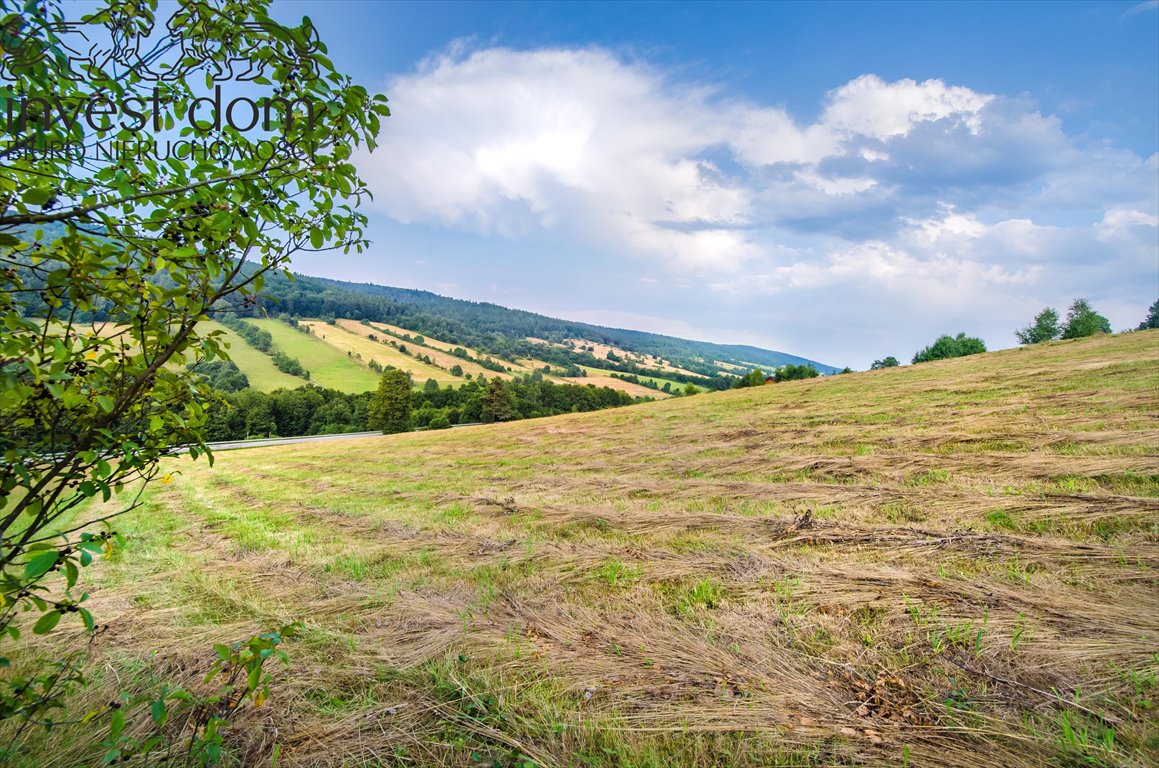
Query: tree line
x=1081, y=321
x=396, y=406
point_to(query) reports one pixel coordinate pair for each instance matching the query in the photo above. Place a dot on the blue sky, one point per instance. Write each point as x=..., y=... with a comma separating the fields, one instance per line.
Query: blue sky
x=839, y=181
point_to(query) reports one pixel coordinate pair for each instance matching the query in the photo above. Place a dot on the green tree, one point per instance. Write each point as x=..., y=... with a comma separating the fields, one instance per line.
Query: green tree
x=149, y=244
x=888, y=362
x=791, y=372
x=1082, y=320
x=430, y=386
x=389, y=407
x=440, y=421
x=754, y=378
x=1044, y=328
x=456, y=370
x=950, y=346
x=498, y=403
x=1152, y=319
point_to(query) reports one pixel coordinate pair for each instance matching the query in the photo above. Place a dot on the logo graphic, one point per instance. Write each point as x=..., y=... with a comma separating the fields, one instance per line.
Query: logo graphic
x=128, y=45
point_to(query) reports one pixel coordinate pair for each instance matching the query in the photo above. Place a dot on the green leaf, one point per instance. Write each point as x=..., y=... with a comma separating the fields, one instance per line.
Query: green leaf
x=46, y=623
x=159, y=712
x=255, y=677
x=40, y=564
x=116, y=724
x=106, y=403
x=36, y=196
x=316, y=239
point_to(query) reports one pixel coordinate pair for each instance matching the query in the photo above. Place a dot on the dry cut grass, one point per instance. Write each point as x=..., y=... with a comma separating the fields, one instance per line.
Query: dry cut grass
x=951, y=564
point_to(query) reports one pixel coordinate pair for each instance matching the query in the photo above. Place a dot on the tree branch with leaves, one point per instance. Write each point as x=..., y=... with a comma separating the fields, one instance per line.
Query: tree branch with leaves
x=110, y=263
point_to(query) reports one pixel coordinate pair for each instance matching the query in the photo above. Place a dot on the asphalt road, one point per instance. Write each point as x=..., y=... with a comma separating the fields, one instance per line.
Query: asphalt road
x=230, y=445
x=235, y=444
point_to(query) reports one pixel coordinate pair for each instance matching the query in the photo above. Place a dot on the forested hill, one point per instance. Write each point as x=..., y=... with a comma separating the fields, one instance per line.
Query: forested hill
x=488, y=328
x=497, y=329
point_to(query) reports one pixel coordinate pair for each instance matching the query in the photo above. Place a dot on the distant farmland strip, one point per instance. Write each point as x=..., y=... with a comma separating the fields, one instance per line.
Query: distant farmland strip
x=343, y=338
x=257, y=366
x=327, y=366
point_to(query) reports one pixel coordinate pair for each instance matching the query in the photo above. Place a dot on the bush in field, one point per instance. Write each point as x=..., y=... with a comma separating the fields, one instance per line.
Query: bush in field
x=1044, y=328
x=791, y=372
x=1082, y=321
x=222, y=375
x=754, y=378
x=946, y=347
x=290, y=365
x=889, y=362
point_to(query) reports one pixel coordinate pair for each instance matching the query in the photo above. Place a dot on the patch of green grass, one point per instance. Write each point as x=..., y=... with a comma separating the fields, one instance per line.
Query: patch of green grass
x=704, y=594
x=328, y=366
x=928, y=477
x=615, y=573
x=258, y=367
x=901, y=512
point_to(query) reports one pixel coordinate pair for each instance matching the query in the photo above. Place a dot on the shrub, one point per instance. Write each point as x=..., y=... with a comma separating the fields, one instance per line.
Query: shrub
x=1082, y=321
x=1045, y=328
x=950, y=346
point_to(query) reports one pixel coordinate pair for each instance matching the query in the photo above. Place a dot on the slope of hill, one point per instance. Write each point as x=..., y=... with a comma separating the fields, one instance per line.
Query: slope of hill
x=497, y=329
x=257, y=366
x=328, y=365
x=949, y=564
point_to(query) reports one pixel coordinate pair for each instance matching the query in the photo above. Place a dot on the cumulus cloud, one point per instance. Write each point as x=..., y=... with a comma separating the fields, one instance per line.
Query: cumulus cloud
x=919, y=188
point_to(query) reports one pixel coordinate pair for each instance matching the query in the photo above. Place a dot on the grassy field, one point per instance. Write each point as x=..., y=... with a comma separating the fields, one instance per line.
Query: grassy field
x=258, y=367
x=434, y=350
x=328, y=366
x=606, y=373
x=343, y=338
x=950, y=564
x=439, y=352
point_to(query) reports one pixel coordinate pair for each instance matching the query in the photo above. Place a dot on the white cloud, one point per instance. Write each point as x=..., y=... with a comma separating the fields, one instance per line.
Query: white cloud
x=1143, y=7
x=504, y=142
x=934, y=195
x=871, y=107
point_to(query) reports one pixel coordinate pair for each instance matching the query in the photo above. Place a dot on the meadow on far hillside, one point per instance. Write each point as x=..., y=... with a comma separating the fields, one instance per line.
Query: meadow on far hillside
x=948, y=564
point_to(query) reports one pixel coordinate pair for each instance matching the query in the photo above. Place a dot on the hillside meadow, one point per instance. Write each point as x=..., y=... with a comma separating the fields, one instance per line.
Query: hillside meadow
x=950, y=564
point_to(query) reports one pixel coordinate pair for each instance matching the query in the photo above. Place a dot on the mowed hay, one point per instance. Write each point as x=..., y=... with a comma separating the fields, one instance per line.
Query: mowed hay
x=951, y=564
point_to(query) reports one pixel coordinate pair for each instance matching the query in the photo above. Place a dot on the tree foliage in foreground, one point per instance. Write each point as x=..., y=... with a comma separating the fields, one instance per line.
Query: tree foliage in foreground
x=950, y=346
x=1044, y=328
x=151, y=242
